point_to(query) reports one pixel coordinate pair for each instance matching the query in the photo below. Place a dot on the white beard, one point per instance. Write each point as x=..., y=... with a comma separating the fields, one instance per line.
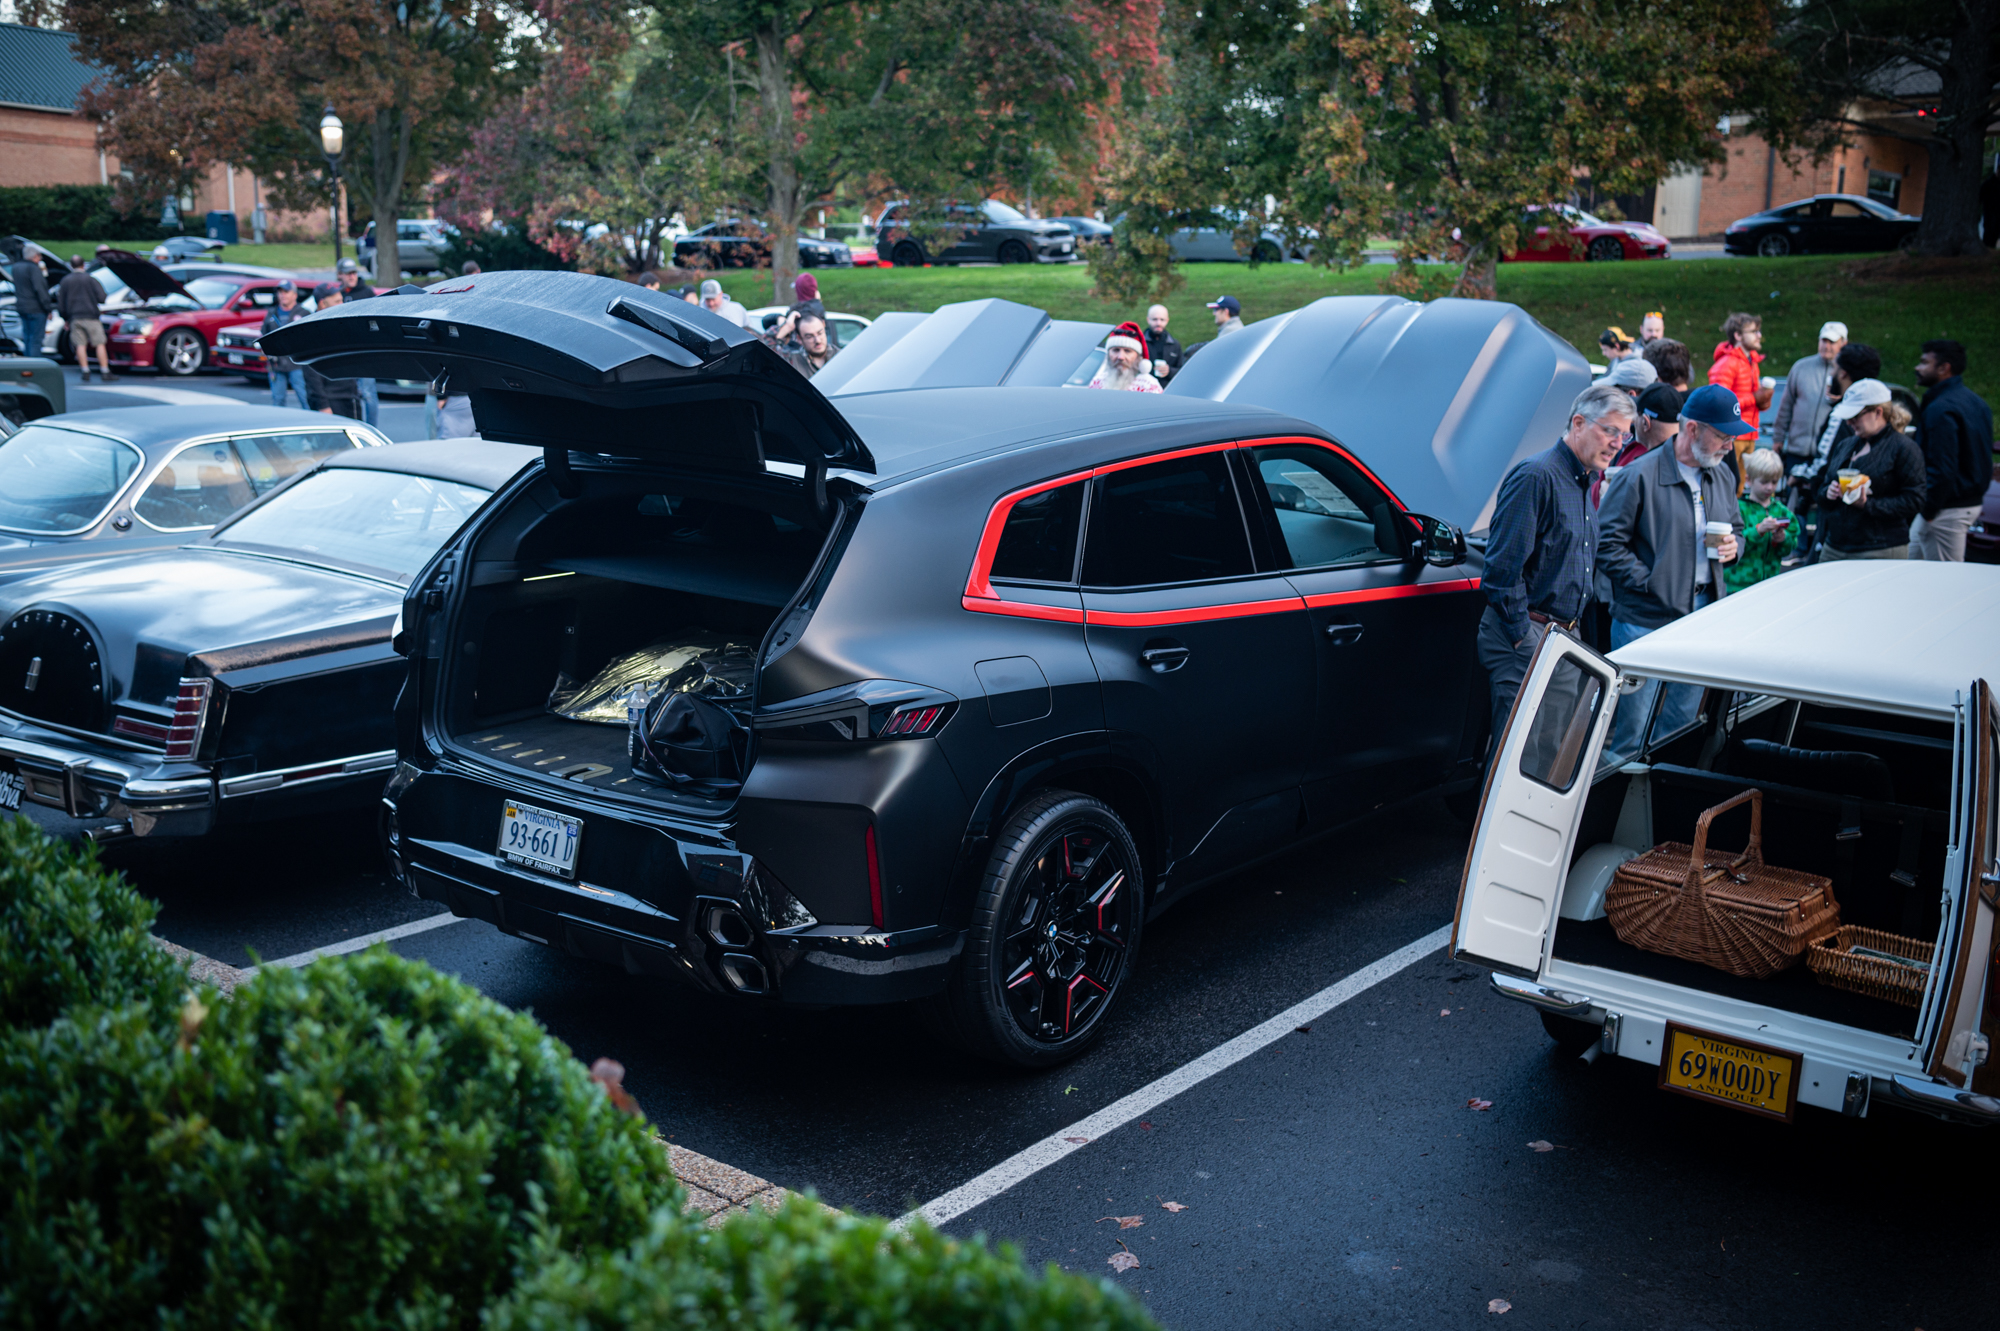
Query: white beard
x=1114, y=377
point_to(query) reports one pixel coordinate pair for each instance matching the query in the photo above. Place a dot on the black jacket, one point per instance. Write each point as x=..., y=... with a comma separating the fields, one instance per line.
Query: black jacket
x=1955, y=432
x=31, y=292
x=1895, y=470
x=342, y=396
x=1162, y=346
x=277, y=317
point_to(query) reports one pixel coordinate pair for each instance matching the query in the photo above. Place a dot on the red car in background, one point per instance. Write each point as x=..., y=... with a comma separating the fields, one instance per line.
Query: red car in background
x=1593, y=239
x=174, y=326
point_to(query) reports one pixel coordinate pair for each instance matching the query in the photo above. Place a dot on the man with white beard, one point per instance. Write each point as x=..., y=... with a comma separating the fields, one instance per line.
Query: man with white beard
x=1123, y=352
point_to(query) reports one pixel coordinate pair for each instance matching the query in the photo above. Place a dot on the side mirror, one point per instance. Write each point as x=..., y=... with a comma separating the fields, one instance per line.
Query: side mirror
x=1441, y=545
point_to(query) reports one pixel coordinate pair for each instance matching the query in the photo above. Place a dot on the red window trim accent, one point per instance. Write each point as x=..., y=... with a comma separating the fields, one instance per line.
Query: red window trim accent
x=1393, y=593
x=981, y=597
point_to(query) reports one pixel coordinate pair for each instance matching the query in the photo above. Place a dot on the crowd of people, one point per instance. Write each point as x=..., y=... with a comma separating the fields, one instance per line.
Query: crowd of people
x=1657, y=501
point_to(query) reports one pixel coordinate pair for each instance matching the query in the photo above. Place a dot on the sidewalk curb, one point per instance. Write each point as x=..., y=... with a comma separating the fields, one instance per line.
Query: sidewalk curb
x=204, y=970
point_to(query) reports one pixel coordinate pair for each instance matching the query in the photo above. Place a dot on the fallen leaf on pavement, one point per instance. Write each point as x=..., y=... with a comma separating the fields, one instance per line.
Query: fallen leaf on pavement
x=1478, y=1104
x=1303, y=1030
x=1077, y=1140
x=1492, y=1305
x=1122, y=1261
x=1175, y=1207
x=1541, y=1146
x=1068, y=1089
x=1444, y=1012
x=1145, y=1125
x=1124, y=1221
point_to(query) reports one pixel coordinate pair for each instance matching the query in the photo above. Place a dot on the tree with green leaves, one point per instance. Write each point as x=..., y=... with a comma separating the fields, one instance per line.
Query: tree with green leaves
x=1925, y=74
x=1442, y=126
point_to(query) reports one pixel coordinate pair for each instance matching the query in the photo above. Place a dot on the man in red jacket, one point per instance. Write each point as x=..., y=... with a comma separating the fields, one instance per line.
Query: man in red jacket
x=1737, y=357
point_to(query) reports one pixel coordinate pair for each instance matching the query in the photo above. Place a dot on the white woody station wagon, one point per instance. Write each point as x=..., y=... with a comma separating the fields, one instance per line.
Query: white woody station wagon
x=1853, y=698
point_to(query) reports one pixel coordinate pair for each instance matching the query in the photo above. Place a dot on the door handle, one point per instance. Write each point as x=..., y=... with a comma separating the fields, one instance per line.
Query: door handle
x=1162, y=660
x=1344, y=635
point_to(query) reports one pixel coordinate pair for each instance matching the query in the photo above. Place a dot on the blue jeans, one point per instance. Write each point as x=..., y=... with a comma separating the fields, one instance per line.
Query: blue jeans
x=32, y=328
x=1678, y=708
x=371, y=405
x=297, y=380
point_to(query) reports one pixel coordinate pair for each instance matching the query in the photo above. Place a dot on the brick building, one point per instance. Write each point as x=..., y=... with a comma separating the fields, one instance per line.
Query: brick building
x=1754, y=177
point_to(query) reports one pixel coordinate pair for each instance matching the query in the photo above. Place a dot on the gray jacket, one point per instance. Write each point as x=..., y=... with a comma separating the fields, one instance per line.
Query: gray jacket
x=31, y=291
x=1646, y=537
x=1803, y=413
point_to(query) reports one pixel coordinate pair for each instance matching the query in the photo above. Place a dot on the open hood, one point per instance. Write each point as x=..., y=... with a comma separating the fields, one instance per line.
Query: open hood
x=967, y=344
x=147, y=280
x=569, y=361
x=1441, y=399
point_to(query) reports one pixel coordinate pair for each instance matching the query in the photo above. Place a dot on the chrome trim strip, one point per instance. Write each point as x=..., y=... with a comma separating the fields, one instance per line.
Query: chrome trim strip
x=306, y=773
x=1535, y=995
x=1945, y=1101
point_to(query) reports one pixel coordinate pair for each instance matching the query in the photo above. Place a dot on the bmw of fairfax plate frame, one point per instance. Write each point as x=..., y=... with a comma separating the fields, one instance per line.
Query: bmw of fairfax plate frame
x=539, y=838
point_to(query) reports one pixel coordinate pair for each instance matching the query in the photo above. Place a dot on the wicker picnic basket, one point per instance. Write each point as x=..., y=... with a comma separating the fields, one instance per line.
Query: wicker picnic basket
x=1833, y=962
x=1742, y=916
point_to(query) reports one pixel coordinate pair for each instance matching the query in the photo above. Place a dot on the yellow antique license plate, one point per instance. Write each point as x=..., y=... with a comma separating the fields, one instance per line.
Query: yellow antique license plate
x=1753, y=1077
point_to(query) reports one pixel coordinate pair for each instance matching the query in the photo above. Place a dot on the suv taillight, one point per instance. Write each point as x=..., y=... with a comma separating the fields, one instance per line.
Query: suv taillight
x=920, y=720
x=190, y=715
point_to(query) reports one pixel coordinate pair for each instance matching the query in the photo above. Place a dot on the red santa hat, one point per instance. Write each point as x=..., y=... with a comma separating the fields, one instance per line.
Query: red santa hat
x=1127, y=334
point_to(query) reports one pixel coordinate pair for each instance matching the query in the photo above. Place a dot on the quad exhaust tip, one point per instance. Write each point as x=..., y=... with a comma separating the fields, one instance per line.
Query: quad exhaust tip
x=726, y=926
x=745, y=973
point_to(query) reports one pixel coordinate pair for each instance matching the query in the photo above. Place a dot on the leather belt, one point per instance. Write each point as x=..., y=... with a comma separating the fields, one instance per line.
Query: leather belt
x=1540, y=618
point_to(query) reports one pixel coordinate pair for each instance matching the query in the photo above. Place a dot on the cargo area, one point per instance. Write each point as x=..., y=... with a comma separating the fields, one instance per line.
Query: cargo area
x=673, y=585
x=1859, y=798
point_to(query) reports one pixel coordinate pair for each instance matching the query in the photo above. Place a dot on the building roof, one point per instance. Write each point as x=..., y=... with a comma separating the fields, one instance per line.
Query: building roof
x=40, y=69
x=1904, y=636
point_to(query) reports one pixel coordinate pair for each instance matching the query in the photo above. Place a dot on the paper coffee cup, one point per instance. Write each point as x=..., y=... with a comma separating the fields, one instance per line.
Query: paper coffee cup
x=1714, y=534
x=1849, y=477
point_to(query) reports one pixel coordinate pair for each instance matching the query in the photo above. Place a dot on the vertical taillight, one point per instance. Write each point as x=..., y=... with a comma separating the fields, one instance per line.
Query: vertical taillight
x=190, y=715
x=874, y=877
x=918, y=720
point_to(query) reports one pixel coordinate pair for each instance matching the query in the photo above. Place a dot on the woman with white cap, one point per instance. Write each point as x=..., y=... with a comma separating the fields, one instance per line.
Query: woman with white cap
x=1877, y=481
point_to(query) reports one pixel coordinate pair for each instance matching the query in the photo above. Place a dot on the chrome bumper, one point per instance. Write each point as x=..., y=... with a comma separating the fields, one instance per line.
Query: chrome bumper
x=1541, y=996
x=92, y=785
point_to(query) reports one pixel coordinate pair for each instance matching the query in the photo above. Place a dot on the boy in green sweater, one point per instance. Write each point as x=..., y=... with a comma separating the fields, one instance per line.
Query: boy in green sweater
x=1770, y=530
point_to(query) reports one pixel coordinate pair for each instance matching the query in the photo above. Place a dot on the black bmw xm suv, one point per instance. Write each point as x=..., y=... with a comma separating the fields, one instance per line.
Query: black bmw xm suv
x=936, y=694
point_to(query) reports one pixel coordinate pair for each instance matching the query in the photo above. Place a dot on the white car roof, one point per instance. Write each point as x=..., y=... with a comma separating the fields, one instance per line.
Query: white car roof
x=1900, y=635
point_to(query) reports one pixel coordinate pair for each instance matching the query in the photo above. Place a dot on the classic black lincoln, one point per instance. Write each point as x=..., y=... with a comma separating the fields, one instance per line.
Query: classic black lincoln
x=937, y=694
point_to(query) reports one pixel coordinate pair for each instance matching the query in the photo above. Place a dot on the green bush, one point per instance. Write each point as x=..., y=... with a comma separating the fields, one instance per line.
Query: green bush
x=361, y=1143
x=71, y=932
x=72, y=211
x=803, y=1268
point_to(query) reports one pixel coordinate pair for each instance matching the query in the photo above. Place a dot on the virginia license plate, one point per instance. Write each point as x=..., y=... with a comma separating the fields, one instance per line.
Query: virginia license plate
x=539, y=839
x=1752, y=1077
x=11, y=786
x=235, y=358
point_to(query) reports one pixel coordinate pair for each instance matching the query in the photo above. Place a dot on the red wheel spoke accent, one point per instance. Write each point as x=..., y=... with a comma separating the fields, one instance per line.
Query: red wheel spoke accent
x=1022, y=974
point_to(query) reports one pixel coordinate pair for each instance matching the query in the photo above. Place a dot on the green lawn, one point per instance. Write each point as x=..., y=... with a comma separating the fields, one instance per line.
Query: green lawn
x=1894, y=314
x=292, y=257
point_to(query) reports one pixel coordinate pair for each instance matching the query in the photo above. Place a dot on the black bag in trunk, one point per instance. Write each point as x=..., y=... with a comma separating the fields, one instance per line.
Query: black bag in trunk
x=691, y=744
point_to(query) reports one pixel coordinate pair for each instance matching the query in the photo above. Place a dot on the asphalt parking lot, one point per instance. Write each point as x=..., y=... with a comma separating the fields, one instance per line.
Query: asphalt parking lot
x=1334, y=1177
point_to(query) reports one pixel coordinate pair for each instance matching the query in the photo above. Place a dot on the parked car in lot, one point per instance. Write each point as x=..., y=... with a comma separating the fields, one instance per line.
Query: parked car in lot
x=1844, y=727
x=1087, y=230
x=746, y=243
x=987, y=232
x=31, y=387
x=1982, y=543
x=905, y=731
x=420, y=247
x=172, y=325
x=237, y=351
x=1209, y=244
x=1594, y=240
x=1823, y=224
x=246, y=674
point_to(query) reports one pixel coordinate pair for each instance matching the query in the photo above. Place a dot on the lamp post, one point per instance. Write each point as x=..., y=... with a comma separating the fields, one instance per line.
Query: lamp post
x=332, y=140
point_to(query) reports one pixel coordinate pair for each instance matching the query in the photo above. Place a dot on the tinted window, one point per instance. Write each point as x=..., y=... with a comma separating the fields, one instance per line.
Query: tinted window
x=198, y=487
x=1327, y=511
x=1561, y=728
x=1842, y=208
x=55, y=480
x=1039, y=542
x=1170, y=522
x=272, y=459
x=375, y=519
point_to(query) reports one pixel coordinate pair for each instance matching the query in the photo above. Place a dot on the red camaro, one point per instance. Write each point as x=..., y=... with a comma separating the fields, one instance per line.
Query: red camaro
x=1593, y=239
x=175, y=327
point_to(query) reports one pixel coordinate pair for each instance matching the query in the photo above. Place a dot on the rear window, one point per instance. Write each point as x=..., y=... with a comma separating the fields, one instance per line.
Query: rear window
x=1173, y=521
x=1039, y=542
x=378, y=520
x=54, y=480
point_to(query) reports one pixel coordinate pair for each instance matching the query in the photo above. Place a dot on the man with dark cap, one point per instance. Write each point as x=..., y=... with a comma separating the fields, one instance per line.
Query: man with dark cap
x=348, y=274
x=332, y=397
x=1228, y=315
x=285, y=372
x=1668, y=524
x=649, y=280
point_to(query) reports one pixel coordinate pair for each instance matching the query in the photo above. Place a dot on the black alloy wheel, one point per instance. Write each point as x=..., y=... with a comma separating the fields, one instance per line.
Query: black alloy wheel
x=1054, y=932
x=1606, y=249
x=907, y=254
x=1774, y=246
x=180, y=352
x=1013, y=251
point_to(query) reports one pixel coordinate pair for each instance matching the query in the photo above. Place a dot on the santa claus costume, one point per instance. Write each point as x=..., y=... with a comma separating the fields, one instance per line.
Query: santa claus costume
x=1132, y=337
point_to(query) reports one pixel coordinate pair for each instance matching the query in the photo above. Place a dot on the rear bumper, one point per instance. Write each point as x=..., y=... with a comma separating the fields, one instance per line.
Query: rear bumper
x=147, y=794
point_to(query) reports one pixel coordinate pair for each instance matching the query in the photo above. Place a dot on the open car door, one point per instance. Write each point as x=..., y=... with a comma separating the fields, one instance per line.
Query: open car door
x=1962, y=1054
x=1535, y=788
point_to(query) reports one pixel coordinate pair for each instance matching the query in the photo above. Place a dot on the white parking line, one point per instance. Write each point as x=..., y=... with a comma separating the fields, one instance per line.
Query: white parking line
x=1077, y=1135
x=424, y=925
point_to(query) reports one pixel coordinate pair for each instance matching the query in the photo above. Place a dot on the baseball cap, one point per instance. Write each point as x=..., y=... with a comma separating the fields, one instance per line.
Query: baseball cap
x=1614, y=336
x=1717, y=408
x=1632, y=372
x=288, y=285
x=1226, y=303
x=325, y=289
x=347, y=266
x=1833, y=331
x=711, y=288
x=1661, y=403
x=1861, y=395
